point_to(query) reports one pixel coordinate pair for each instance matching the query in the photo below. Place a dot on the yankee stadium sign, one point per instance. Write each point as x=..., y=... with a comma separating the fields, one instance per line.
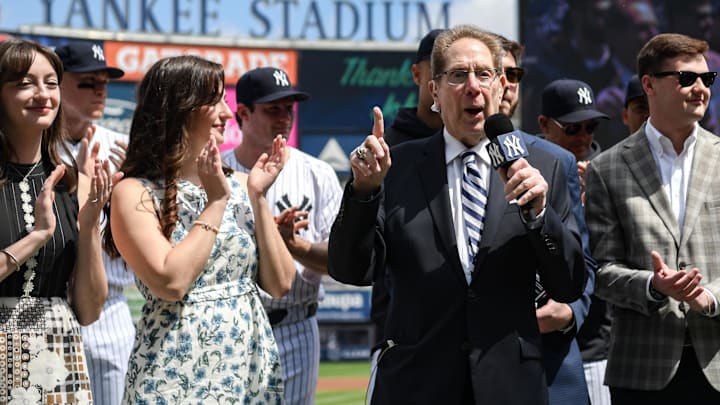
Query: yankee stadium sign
x=364, y=20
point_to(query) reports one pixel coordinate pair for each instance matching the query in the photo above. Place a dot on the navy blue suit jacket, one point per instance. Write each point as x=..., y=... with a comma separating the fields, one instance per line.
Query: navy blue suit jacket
x=451, y=338
x=561, y=354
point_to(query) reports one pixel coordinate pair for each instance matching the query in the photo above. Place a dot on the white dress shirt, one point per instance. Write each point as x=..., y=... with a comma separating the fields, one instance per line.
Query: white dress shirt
x=675, y=170
x=454, y=166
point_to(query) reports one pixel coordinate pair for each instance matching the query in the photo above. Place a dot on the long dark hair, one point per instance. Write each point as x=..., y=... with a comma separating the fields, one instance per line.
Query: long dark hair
x=16, y=58
x=166, y=97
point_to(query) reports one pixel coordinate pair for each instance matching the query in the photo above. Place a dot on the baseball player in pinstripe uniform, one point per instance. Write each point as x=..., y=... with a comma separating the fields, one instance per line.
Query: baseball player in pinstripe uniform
x=107, y=341
x=306, y=199
x=652, y=208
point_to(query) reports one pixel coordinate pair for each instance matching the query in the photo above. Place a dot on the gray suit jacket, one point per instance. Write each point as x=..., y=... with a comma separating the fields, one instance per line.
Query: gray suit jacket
x=629, y=215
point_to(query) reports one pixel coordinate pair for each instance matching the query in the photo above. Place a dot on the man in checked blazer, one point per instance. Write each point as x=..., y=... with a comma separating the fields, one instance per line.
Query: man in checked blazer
x=653, y=211
x=461, y=328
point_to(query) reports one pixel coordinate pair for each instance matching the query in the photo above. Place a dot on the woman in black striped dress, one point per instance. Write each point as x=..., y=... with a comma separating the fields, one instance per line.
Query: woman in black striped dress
x=51, y=270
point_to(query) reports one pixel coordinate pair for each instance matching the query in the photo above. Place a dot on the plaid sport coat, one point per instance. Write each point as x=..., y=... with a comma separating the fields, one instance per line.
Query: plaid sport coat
x=629, y=215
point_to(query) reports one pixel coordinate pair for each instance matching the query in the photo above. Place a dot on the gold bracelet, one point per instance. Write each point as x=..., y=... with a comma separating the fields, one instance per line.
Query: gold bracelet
x=12, y=258
x=207, y=226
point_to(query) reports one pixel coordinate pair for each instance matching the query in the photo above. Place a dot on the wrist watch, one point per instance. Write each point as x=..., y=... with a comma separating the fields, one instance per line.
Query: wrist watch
x=655, y=294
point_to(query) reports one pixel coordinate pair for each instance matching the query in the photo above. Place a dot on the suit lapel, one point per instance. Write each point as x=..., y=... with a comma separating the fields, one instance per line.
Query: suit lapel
x=433, y=176
x=701, y=178
x=494, y=212
x=642, y=167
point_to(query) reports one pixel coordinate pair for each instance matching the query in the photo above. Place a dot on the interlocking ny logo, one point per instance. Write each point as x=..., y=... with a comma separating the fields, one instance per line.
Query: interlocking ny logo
x=513, y=146
x=98, y=52
x=496, y=154
x=284, y=203
x=281, y=78
x=584, y=96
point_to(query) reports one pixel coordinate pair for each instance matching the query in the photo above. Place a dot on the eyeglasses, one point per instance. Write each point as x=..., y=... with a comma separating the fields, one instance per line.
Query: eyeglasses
x=514, y=74
x=686, y=78
x=457, y=77
x=574, y=128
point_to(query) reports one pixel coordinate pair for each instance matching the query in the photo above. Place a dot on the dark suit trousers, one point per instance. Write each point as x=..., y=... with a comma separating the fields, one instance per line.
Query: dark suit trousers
x=689, y=384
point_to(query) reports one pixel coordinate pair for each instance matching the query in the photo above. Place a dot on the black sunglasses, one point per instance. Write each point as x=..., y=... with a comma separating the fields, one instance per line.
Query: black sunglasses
x=686, y=78
x=574, y=128
x=93, y=85
x=514, y=74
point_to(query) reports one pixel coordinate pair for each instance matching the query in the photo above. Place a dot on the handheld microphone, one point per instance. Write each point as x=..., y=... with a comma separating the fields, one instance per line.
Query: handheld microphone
x=506, y=146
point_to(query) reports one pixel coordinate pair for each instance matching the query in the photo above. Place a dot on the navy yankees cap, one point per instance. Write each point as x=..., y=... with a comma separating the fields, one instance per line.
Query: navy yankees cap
x=634, y=90
x=426, y=45
x=569, y=101
x=85, y=56
x=266, y=84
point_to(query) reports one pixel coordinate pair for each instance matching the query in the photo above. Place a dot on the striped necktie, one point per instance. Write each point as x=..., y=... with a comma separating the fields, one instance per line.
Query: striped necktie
x=474, y=198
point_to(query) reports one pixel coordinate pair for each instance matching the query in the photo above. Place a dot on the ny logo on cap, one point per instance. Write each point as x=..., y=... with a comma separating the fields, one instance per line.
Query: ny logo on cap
x=98, y=52
x=584, y=96
x=281, y=79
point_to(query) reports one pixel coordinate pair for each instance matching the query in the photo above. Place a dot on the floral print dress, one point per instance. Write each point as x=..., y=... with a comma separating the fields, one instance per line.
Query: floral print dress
x=215, y=346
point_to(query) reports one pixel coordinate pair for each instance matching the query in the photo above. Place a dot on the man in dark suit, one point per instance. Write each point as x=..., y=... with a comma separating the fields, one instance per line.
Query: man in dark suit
x=461, y=324
x=410, y=123
x=559, y=323
x=652, y=211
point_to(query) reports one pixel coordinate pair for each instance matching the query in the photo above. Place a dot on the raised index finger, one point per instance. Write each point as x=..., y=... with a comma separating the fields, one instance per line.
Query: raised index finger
x=378, y=123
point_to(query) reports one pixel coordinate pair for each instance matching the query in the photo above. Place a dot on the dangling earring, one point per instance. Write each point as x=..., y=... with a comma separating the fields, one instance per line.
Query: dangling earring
x=434, y=108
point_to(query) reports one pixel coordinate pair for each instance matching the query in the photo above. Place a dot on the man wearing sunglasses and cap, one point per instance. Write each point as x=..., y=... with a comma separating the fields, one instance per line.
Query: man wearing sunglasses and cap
x=109, y=340
x=569, y=119
x=652, y=209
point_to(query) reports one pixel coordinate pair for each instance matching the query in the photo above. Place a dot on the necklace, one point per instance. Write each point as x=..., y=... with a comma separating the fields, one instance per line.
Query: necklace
x=25, y=197
x=31, y=263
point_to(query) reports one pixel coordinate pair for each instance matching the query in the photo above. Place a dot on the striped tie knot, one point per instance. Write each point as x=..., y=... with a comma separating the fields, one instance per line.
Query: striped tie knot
x=474, y=198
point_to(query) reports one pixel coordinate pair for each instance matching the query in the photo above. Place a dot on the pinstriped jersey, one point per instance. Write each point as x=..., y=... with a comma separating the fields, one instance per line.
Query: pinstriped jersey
x=118, y=274
x=312, y=185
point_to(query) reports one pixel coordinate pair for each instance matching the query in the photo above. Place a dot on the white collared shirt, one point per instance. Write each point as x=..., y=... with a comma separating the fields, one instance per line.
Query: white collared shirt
x=454, y=167
x=674, y=169
x=675, y=173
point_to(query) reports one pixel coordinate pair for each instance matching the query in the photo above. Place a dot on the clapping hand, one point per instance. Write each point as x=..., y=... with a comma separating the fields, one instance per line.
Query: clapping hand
x=101, y=184
x=290, y=222
x=44, y=214
x=118, y=153
x=210, y=172
x=680, y=284
x=267, y=168
x=87, y=155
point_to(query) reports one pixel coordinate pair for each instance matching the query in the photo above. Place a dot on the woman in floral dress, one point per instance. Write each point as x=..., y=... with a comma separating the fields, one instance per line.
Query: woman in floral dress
x=51, y=271
x=200, y=239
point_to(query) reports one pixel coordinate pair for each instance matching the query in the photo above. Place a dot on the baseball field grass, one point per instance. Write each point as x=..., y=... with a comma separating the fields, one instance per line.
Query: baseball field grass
x=342, y=383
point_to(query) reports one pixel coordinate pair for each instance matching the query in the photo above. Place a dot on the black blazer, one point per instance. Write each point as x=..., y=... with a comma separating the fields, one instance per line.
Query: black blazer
x=450, y=337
